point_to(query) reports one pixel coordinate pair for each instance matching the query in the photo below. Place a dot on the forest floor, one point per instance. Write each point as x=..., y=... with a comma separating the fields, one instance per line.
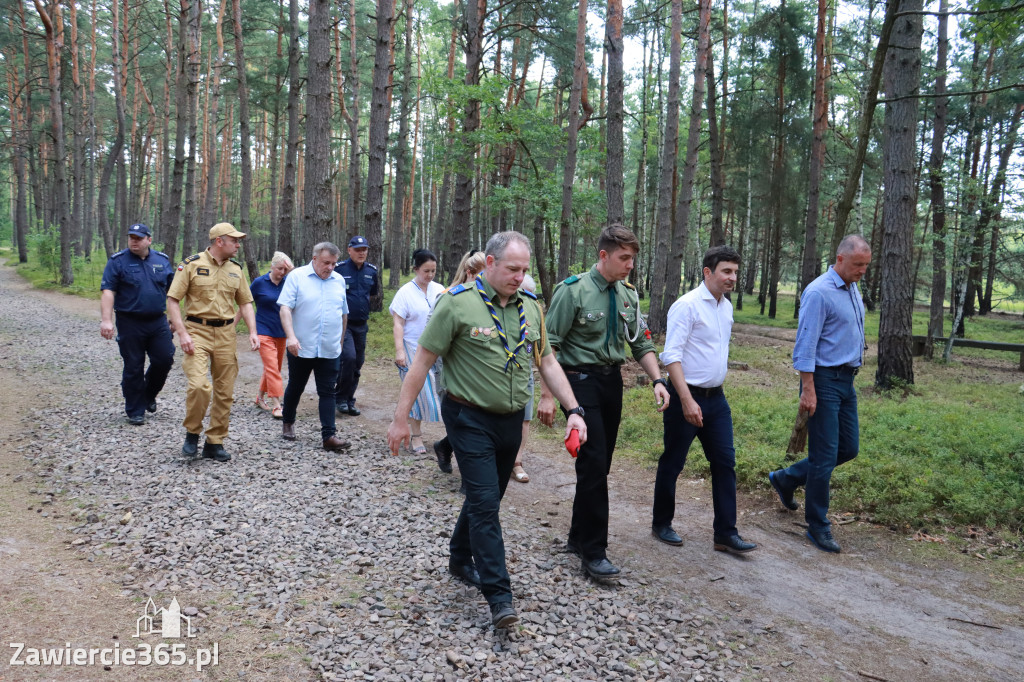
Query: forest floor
x=890, y=607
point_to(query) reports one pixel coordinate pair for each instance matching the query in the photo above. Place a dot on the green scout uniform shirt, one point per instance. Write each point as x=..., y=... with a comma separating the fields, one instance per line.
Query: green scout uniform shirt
x=585, y=329
x=209, y=289
x=462, y=331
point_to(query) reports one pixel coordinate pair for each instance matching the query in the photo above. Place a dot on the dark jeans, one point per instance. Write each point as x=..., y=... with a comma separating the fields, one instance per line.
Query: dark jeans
x=832, y=439
x=485, y=447
x=716, y=438
x=325, y=374
x=137, y=338
x=601, y=398
x=353, y=353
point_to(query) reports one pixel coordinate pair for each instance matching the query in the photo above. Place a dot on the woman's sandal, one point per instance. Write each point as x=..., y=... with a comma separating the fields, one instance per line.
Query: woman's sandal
x=520, y=474
x=418, y=449
x=261, y=402
x=277, y=412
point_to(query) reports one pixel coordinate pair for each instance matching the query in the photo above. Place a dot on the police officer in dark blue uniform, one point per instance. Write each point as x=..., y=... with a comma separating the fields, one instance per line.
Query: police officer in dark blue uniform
x=135, y=284
x=361, y=282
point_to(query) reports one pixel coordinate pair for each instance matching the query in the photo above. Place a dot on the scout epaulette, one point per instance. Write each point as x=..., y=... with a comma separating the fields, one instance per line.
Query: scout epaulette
x=235, y=262
x=457, y=289
x=628, y=285
x=530, y=294
x=194, y=256
x=572, y=279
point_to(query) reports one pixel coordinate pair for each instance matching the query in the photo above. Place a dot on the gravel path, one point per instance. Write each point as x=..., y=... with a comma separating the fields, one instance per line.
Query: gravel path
x=340, y=556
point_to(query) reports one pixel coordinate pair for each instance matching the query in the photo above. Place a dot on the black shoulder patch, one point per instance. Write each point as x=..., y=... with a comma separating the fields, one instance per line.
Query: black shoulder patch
x=529, y=294
x=194, y=256
x=235, y=262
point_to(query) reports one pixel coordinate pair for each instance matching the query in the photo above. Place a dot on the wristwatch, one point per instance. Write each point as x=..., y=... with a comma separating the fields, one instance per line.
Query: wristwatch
x=661, y=381
x=577, y=410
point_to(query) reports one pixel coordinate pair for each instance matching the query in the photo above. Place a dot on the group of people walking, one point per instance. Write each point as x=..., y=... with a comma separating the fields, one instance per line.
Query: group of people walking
x=466, y=355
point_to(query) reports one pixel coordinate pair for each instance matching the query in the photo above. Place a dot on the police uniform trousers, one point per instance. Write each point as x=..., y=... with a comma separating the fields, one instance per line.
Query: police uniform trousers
x=353, y=354
x=214, y=357
x=137, y=337
x=600, y=394
x=485, y=448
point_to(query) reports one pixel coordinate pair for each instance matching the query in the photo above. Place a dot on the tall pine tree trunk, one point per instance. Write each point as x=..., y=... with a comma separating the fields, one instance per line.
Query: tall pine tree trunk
x=902, y=79
x=286, y=216
x=937, y=185
x=243, y=127
x=613, y=167
x=208, y=216
x=462, y=202
x=397, y=233
x=566, y=235
x=669, y=143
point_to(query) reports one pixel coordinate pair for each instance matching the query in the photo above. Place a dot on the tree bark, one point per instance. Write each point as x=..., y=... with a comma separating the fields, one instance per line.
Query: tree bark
x=373, y=218
x=937, y=185
x=613, y=167
x=193, y=61
x=819, y=126
x=397, y=233
x=285, y=238
x=243, y=127
x=52, y=25
x=317, y=190
x=715, y=153
x=902, y=77
x=566, y=235
x=462, y=202
x=208, y=214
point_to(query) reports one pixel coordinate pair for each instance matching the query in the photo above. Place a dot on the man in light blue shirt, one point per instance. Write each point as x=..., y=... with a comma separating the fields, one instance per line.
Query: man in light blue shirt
x=828, y=353
x=314, y=311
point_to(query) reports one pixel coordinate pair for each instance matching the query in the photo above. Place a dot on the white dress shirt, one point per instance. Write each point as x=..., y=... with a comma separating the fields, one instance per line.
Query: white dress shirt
x=698, y=334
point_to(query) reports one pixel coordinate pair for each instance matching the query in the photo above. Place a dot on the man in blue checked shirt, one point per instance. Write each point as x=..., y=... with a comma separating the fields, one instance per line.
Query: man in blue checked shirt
x=828, y=353
x=314, y=310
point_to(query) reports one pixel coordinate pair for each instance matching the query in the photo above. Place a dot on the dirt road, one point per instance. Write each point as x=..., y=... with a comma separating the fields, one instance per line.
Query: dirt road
x=886, y=608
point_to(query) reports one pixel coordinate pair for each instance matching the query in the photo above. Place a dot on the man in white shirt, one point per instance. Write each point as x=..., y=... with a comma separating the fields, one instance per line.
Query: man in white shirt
x=697, y=358
x=314, y=311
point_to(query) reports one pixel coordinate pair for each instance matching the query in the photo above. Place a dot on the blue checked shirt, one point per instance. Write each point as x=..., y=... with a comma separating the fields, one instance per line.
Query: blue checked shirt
x=831, y=330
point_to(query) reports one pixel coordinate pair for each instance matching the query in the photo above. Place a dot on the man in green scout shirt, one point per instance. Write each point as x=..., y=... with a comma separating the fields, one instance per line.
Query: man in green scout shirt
x=486, y=331
x=592, y=318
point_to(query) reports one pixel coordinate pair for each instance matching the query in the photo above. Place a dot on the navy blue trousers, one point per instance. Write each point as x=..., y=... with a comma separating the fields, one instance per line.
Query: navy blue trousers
x=136, y=338
x=485, y=448
x=715, y=437
x=353, y=353
x=325, y=374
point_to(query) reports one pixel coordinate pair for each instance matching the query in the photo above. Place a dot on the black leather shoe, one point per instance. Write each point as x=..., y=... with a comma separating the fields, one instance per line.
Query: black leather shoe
x=137, y=420
x=352, y=410
x=151, y=408
x=733, y=544
x=600, y=568
x=288, y=430
x=667, y=535
x=503, y=615
x=341, y=407
x=335, y=444
x=467, y=573
x=215, y=451
x=785, y=498
x=823, y=540
x=444, y=455
x=191, y=446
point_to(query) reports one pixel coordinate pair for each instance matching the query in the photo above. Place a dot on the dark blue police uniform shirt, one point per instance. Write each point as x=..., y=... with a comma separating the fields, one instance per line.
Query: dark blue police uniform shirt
x=360, y=284
x=139, y=284
x=268, y=313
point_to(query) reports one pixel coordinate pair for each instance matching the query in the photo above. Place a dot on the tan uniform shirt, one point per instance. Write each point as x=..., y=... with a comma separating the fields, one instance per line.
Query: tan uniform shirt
x=209, y=290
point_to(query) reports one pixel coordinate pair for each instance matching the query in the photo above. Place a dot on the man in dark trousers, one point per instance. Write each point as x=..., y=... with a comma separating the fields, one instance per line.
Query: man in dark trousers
x=828, y=353
x=361, y=282
x=592, y=318
x=134, y=284
x=697, y=359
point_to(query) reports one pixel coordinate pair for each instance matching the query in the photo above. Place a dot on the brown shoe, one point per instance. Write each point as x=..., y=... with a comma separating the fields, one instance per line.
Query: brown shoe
x=288, y=430
x=336, y=444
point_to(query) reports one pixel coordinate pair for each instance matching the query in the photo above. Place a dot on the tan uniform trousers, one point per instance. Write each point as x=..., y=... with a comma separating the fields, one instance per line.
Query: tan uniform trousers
x=215, y=357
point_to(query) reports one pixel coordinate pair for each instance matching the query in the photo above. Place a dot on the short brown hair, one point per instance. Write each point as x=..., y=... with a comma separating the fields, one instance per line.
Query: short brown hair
x=617, y=236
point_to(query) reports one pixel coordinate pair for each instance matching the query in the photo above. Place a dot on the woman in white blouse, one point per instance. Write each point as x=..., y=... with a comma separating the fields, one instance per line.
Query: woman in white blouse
x=410, y=309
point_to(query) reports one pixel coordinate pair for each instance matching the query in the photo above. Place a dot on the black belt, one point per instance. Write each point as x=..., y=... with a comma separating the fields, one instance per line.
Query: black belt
x=705, y=392
x=845, y=369
x=208, y=323
x=140, y=316
x=463, y=401
x=591, y=369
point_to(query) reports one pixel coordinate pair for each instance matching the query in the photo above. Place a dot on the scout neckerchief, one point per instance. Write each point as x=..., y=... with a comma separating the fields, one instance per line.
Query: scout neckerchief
x=501, y=332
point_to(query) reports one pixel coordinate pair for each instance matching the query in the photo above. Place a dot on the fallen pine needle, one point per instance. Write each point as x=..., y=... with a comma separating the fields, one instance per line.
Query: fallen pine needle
x=973, y=622
x=871, y=676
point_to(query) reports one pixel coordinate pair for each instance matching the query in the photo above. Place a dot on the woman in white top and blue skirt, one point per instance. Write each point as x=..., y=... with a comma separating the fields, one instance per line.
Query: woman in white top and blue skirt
x=410, y=309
